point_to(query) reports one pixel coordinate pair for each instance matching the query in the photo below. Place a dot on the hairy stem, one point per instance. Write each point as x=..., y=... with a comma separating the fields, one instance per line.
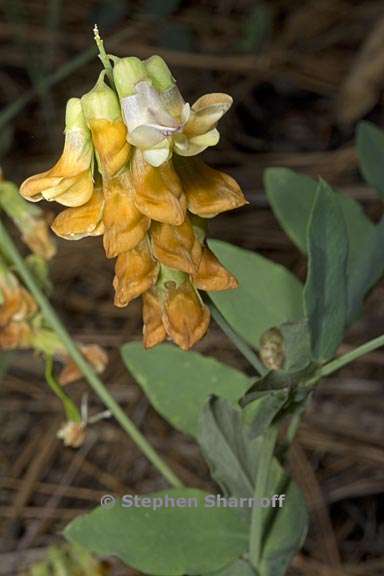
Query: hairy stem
x=10, y=251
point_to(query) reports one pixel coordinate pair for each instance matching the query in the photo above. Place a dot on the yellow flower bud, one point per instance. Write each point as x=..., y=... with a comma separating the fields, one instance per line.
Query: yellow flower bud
x=102, y=112
x=125, y=226
x=176, y=246
x=135, y=272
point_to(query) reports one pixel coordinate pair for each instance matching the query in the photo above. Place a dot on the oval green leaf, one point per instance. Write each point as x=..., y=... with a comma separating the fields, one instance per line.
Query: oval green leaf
x=268, y=293
x=178, y=384
x=168, y=541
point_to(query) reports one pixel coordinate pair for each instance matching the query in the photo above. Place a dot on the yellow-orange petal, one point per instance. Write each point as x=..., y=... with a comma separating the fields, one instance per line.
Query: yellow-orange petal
x=208, y=191
x=125, y=226
x=76, y=223
x=211, y=275
x=135, y=272
x=74, y=162
x=185, y=317
x=159, y=194
x=71, y=192
x=153, y=330
x=96, y=356
x=176, y=246
x=110, y=141
x=206, y=112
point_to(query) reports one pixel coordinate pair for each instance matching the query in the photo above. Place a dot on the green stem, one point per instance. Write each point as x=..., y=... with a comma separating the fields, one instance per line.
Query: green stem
x=351, y=356
x=11, y=252
x=245, y=350
x=261, y=488
x=71, y=411
x=103, y=55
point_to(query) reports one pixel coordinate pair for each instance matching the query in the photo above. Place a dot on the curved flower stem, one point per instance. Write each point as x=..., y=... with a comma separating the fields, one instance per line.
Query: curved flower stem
x=242, y=346
x=10, y=251
x=71, y=411
x=351, y=356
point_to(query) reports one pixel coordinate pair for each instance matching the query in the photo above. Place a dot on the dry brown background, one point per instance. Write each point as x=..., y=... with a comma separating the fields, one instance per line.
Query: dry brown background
x=302, y=73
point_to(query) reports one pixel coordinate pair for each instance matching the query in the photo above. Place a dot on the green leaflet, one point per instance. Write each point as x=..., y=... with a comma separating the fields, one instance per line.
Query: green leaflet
x=287, y=525
x=169, y=541
x=325, y=293
x=292, y=196
x=179, y=383
x=268, y=294
x=370, y=150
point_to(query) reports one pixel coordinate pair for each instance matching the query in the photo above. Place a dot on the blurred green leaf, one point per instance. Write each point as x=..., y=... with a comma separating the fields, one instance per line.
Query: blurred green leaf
x=325, y=291
x=370, y=151
x=292, y=196
x=287, y=525
x=256, y=27
x=169, y=541
x=268, y=294
x=179, y=383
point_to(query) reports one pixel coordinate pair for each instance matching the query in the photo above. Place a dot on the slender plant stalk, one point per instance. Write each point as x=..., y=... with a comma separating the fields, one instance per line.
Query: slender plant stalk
x=10, y=251
x=103, y=55
x=351, y=356
x=261, y=486
x=246, y=351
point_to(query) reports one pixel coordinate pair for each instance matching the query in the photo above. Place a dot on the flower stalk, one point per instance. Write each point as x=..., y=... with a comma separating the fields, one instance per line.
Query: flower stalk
x=9, y=249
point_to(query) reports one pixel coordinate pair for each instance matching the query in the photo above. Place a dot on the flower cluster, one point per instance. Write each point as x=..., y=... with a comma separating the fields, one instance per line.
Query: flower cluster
x=130, y=172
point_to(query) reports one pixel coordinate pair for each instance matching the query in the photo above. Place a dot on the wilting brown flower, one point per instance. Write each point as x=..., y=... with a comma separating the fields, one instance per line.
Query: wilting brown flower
x=176, y=311
x=135, y=272
x=17, y=308
x=95, y=355
x=149, y=195
x=28, y=218
x=72, y=434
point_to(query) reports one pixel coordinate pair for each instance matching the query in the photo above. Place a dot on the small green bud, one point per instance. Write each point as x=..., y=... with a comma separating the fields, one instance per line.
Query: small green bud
x=159, y=73
x=127, y=72
x=101, y=102
x=74, y=117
